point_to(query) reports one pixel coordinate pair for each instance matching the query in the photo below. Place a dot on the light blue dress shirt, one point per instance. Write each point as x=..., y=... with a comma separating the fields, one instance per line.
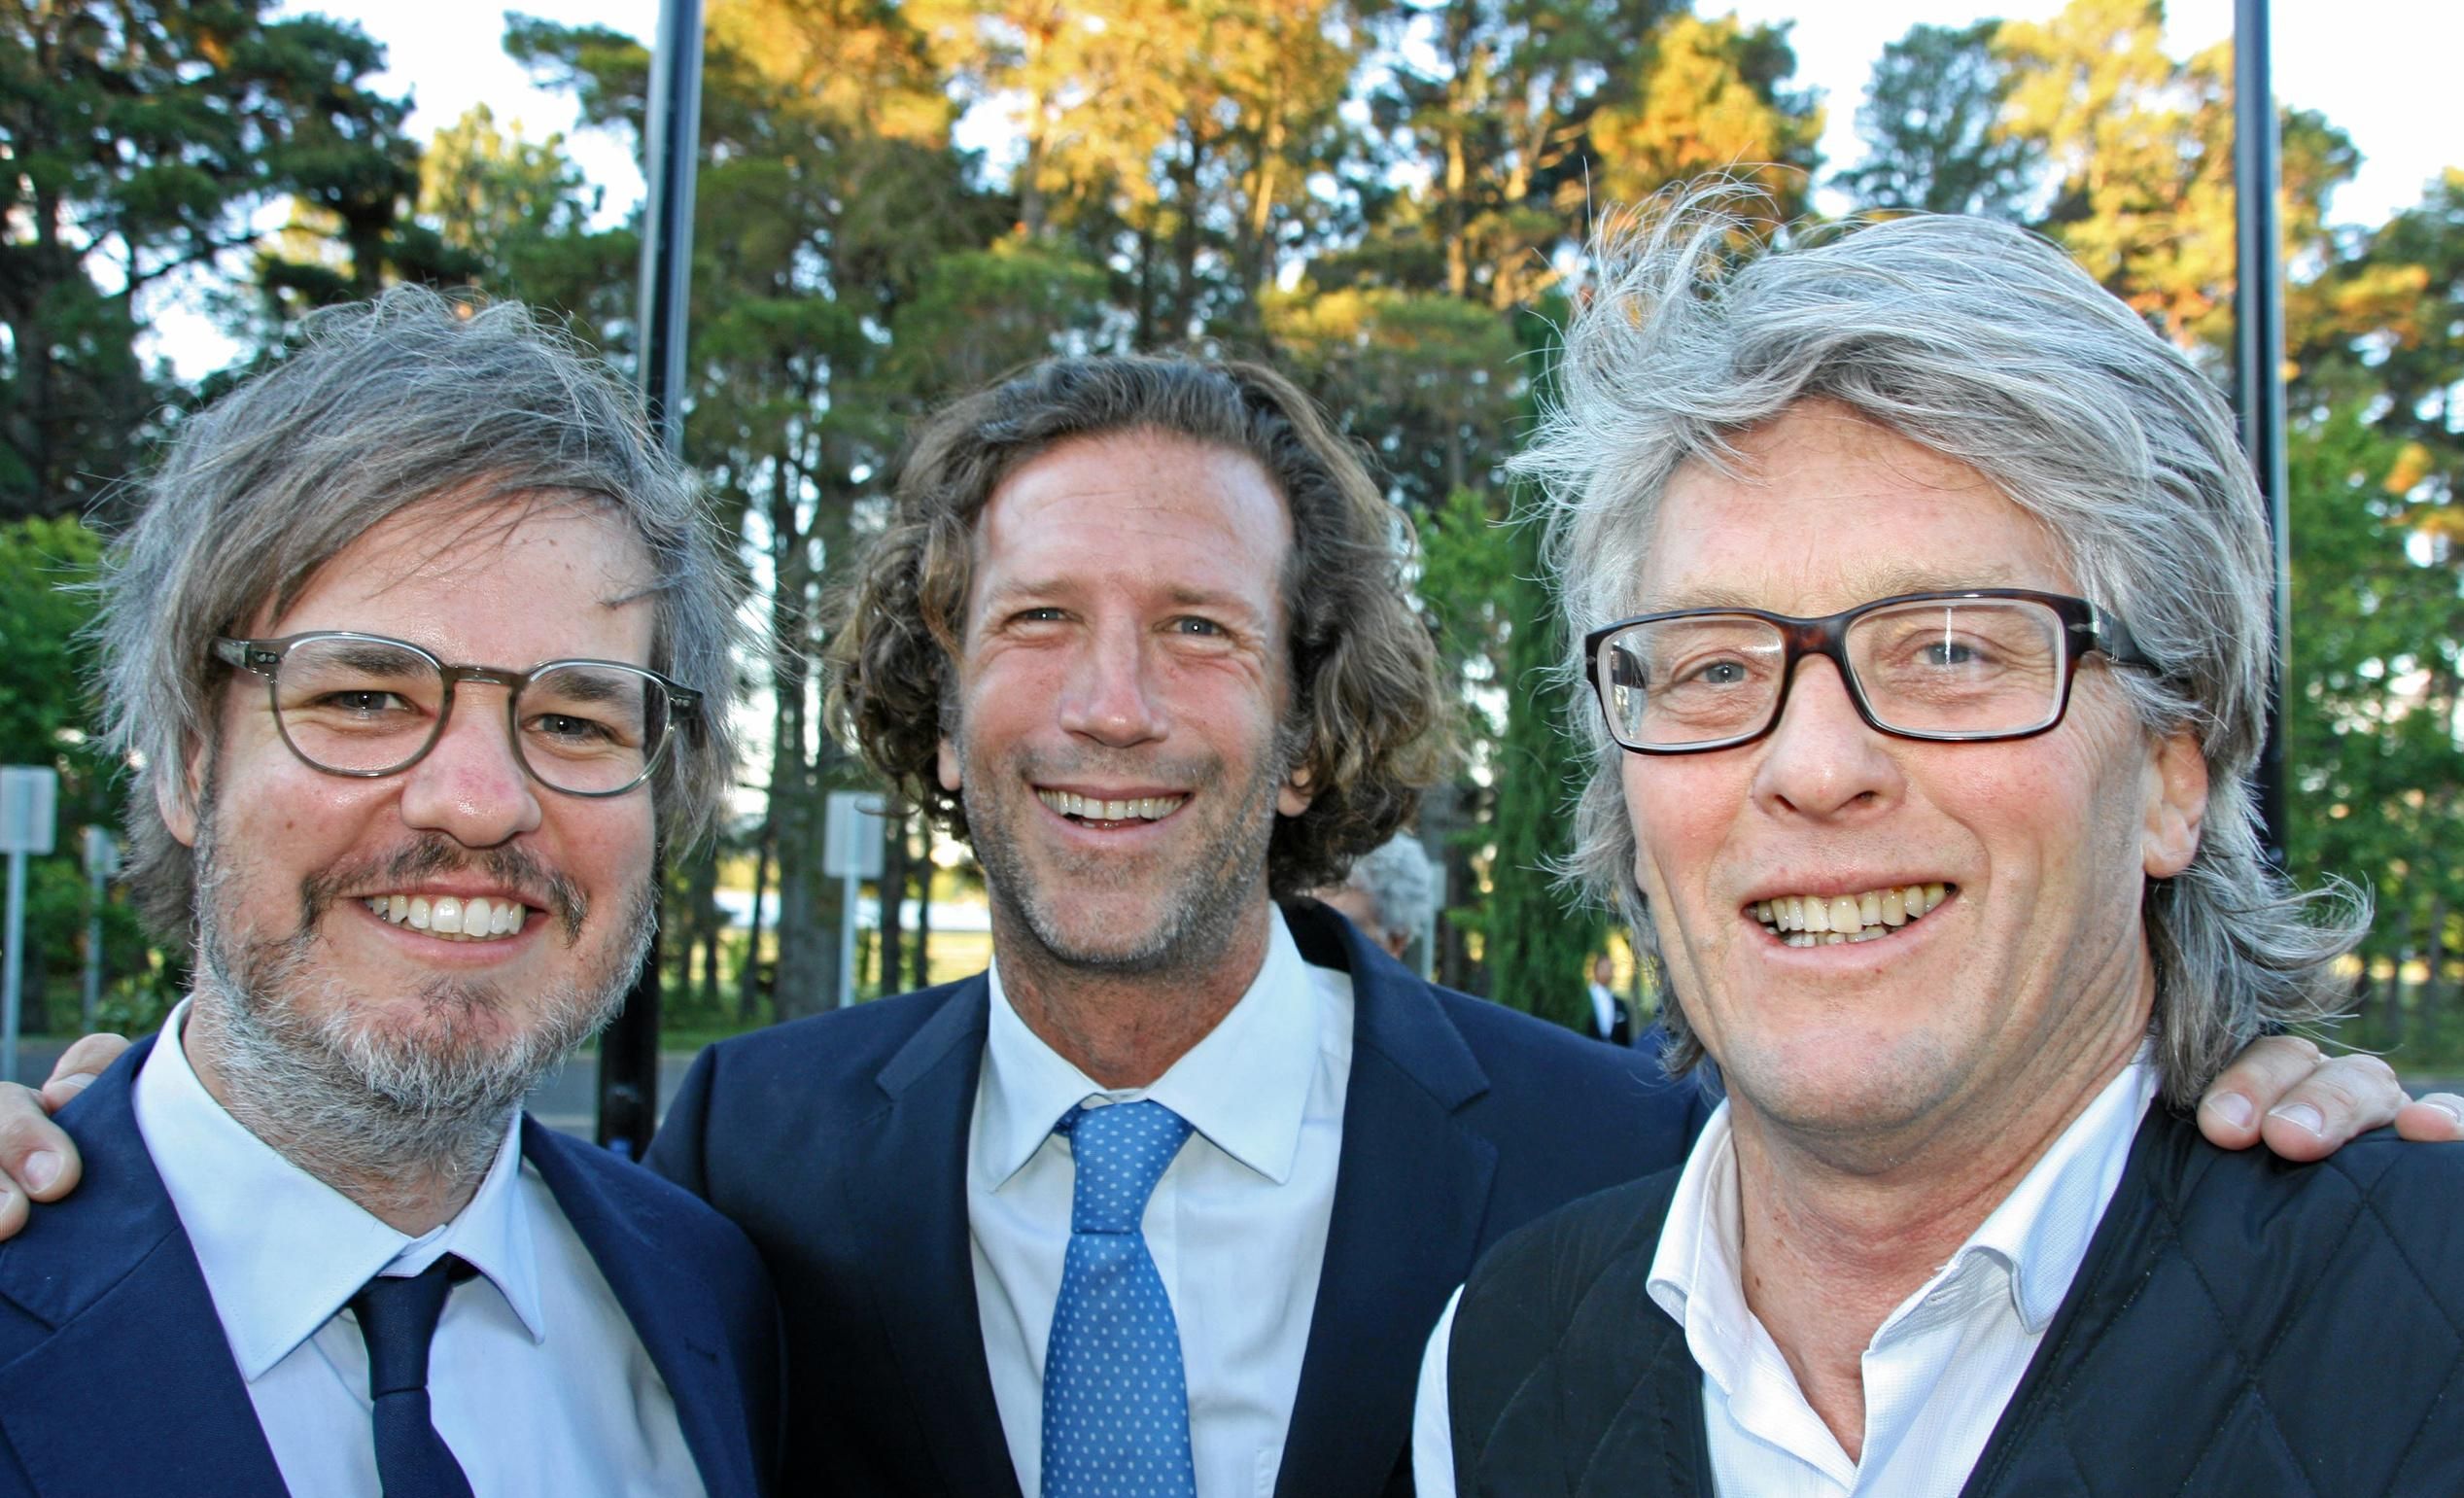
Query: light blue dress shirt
x=538, y=1381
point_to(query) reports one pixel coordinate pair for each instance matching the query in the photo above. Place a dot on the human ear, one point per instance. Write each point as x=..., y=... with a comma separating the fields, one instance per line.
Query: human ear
x=177, y=799
x=2176, y=805
x=1295, y=795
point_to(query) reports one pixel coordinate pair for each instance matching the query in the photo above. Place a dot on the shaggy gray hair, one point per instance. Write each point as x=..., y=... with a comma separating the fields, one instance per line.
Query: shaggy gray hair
x=1987, y=345
x=378, y=408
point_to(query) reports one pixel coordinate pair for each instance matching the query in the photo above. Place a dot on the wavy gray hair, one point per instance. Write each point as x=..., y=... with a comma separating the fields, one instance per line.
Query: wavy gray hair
x=1987, y=345
x=381, y=406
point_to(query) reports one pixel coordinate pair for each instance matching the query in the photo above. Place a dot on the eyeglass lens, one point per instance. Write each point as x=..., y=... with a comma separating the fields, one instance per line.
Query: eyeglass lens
x=1952, y=666
x=363, y=707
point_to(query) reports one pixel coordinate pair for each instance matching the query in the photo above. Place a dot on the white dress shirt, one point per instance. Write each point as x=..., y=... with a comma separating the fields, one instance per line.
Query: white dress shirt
x=537, y=1380
x=1939, y=1368
x=1237, y=1223
x=1604, y=1011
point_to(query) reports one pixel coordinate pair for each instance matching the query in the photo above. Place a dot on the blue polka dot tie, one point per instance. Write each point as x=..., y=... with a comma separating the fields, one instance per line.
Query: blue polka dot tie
x=1115, y=1406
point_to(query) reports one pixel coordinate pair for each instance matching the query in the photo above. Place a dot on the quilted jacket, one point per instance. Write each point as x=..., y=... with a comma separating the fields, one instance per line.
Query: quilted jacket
x=2241, y=1326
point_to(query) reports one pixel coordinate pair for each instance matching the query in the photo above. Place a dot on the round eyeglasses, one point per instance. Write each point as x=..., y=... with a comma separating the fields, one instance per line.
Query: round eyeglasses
x=1980, y=664
x=366, y=706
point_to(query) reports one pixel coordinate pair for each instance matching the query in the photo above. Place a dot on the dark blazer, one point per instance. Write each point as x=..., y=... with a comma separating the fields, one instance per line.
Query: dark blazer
x=2241, y=1325
x=116, y=1380
x=839, y=1144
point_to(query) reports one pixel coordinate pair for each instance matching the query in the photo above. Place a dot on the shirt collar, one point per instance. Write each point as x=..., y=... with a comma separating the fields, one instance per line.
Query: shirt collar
x=1244, y=1085
x=281, y=1251
x=2039, y=1233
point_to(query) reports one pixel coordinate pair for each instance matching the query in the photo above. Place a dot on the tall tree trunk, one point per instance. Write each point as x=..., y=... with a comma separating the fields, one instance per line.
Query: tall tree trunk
x=2434, y=996
x=894, y=895
x=923, y=913
x=807, y=978
x=748, y=984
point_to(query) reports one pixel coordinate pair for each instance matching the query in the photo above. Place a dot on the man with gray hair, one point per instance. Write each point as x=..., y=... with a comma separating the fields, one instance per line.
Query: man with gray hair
x=315, y=1229
x=1925, y=598
x=1389, y=894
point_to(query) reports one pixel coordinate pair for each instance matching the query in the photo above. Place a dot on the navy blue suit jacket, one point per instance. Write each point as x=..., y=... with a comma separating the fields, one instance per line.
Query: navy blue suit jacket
x=839, y=1144
x=116, y=1380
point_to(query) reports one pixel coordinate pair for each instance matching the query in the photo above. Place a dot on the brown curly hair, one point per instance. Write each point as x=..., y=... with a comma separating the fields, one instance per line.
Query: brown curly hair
x=1367, y=722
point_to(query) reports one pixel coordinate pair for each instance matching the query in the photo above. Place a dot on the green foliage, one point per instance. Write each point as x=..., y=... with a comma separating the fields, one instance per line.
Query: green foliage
x=1371, y=196
x=47, y=718
x=1933, y=129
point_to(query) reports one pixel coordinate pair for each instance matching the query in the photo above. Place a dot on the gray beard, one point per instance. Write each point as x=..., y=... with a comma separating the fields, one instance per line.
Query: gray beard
x=367, y=1112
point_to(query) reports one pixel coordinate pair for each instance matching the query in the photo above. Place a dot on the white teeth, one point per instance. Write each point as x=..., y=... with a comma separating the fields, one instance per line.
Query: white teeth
x=1826, y=920
x=476, y=918
x=1143, y=808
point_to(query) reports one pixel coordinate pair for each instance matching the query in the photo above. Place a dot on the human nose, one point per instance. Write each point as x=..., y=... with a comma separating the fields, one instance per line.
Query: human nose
x=1822, y=758
x=1108, y=696
x=470, y=785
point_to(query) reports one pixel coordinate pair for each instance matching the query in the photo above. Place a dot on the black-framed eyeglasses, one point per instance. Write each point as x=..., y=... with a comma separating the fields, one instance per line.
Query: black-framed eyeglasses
x=366, y=706
x=1975, y=664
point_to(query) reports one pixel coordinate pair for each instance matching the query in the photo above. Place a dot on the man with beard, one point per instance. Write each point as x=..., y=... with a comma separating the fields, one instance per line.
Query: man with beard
x=1170, y=1198
x=318, y=1247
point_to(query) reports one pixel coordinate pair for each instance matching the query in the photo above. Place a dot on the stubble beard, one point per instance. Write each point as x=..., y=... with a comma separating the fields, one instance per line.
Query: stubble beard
x=373, y=1109
x=1198, y=919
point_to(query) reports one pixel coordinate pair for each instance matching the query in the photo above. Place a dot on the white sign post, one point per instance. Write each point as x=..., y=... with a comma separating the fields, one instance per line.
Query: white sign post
x=102, y=861
x=28, y=797
x=851, y=851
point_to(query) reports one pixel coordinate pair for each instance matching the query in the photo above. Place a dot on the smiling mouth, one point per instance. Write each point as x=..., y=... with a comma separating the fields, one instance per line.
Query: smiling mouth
x=1097, y=812
x=477, y=918
x=1836, y=920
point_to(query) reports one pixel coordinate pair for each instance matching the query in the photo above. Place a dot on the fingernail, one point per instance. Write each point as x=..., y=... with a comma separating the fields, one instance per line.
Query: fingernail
x=2301, y=1116
x=74, y=1082
x=40, y=1171
x=2449, y=1106
x=2234, y=1109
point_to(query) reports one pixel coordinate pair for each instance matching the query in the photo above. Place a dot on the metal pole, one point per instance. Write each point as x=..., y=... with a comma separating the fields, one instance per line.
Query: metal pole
x=2259, y=316
x=671, y=145
x=847, y=940
x=9, y=993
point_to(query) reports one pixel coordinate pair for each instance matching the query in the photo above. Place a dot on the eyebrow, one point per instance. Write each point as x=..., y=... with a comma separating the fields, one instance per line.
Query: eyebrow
x=1181, y=595
x=1884, y=583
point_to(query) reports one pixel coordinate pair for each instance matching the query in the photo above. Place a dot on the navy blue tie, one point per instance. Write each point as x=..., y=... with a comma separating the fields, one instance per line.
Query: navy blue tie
x=1115, y=1401
x=398, y=1316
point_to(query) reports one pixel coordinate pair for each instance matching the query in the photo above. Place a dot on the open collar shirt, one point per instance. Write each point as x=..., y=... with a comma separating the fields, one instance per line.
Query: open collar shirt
x=1238, y=1224
x=1943, y=1363
x=537, y=1380
x=1940, y=1368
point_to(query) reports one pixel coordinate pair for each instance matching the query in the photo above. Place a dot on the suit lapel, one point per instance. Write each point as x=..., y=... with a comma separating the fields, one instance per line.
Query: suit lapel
x=134, y=1390
x=670, y=1307
x=1409, y=1196
x=908, y=1191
